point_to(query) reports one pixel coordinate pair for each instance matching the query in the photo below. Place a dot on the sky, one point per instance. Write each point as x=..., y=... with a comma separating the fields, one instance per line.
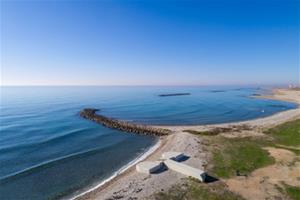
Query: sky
x=208, y=42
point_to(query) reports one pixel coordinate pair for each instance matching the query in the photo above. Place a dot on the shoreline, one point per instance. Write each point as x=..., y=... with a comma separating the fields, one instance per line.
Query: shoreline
x=128, y=174
x=121, y=171
x=267, y=121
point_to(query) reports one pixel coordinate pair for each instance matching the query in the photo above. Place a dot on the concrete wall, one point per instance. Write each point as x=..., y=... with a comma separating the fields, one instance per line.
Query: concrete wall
x=185, y=169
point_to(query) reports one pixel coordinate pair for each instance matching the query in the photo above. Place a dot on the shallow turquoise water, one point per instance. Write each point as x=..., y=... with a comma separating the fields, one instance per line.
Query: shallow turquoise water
x=48, y=151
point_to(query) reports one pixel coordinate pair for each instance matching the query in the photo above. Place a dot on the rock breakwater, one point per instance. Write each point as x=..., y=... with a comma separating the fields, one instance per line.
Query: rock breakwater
x=173, y=94
x=90, y=114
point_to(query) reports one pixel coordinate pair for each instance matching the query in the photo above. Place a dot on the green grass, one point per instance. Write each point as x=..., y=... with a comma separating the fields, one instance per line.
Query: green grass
x=286, y=134
x=289, y=191
x=193, y=190
x=241, y=155
x=245, y=154
x=296, y=151
x=293, y=192
x=230, y=155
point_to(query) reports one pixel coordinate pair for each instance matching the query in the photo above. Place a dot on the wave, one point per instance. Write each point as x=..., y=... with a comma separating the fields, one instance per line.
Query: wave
x=66, y=135
x=52, y=162
x=120, y=171
x=228, y=112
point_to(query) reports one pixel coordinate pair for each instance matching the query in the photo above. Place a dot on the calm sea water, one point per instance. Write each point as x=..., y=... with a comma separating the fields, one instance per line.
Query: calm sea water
x=47, y=151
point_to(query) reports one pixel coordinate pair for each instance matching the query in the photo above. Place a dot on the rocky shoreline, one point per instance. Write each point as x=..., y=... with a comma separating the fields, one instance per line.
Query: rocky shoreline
x=90, y=114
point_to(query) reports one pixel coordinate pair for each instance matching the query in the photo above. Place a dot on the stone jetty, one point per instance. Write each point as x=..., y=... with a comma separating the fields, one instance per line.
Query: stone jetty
x=173, y=94
x=90, y=114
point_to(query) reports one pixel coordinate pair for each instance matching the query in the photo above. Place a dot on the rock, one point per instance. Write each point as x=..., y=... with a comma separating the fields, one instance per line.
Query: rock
x=90, y=113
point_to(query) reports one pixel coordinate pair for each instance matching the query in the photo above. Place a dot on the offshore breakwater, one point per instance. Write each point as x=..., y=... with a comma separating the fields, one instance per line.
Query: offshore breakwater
x=174, y=94
x=90, y=114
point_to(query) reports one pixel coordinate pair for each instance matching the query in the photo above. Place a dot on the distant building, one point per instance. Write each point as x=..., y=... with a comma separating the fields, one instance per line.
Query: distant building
x=294, y=86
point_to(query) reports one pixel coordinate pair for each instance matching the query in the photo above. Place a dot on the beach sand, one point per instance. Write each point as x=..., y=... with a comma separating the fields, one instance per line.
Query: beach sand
x=133, y=185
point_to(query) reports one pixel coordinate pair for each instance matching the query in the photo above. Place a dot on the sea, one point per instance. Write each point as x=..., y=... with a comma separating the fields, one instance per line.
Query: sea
x=47, y=151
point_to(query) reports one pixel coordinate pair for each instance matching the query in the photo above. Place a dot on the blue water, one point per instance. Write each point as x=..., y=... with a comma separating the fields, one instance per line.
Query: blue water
x=47, y=151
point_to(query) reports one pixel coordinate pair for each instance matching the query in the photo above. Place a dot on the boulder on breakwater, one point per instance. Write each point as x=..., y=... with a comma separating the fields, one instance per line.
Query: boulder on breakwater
x=173, y=94
x=90, y=114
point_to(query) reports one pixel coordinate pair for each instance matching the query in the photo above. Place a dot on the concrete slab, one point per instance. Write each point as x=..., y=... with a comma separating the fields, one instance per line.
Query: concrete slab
x=149, y=167
x=185, y=169
x=173, y=155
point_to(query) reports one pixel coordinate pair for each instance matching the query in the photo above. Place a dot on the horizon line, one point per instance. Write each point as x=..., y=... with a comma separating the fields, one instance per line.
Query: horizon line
x=175, y=85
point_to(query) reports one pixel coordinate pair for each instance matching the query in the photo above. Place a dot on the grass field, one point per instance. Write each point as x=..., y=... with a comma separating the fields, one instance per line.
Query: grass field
x=232, y=156
x=292, y=192
x=287, y=134
x=193, y=190
x=237, y=156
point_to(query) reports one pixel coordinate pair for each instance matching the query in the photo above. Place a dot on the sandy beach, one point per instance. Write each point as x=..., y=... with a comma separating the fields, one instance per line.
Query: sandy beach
x=133, y=185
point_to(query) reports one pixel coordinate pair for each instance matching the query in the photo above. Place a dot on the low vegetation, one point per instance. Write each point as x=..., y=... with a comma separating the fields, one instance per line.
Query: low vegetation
x=219, y=130
x=193, y=190
x=293, y=192
x=238, y=156
x=287, y=134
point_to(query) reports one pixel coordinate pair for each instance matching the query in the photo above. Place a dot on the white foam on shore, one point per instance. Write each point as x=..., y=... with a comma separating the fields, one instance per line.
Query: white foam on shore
x=121, y=170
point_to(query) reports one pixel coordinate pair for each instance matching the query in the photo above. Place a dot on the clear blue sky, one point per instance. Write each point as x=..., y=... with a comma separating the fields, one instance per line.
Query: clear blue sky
x=149, y=42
